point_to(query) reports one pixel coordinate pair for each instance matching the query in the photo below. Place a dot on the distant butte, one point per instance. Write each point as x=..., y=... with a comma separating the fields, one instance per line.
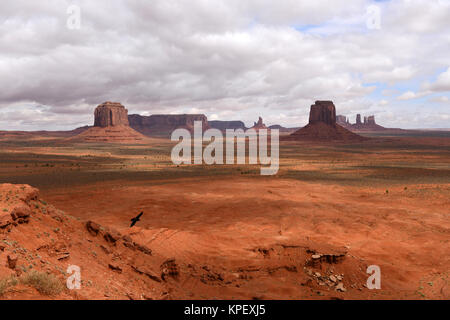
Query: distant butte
x=259, y=125
x=110, y=114
x=110, y=125
x=224, y=125
x=322, y=126
x=369, y=123
x=164, y=124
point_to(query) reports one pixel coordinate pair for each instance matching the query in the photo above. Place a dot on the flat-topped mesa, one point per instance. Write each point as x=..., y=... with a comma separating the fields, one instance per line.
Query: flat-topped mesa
x=323, y=111
x=224, y=125
x=110, y=114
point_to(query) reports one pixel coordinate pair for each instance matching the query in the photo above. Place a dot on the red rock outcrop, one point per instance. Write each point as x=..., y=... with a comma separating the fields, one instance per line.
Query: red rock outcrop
x=340, y=119
x=110, y=125
x=371, y=120
x=322, y=126
x=343, y=121
x=164, y=124
x=110, y=114
x=323, y=111
x=259, y=125
x=369, y=124
x=49, y=241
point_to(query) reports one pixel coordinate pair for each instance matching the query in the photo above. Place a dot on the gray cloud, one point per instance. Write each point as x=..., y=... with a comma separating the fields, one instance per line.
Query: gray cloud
x=228, y=59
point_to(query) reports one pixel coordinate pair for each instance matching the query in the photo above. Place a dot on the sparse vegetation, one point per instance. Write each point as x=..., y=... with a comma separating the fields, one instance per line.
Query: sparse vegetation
x=7, y=283
x=45, y=283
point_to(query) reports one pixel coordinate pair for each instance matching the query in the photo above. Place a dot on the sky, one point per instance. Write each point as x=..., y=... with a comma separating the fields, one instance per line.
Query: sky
x=227, y=59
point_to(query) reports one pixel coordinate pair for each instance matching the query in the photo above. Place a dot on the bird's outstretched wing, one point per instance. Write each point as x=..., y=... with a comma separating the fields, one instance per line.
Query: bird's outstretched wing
x=136, y=219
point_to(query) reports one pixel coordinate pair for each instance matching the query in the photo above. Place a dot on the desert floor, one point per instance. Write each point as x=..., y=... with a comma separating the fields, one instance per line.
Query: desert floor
x=235, y=234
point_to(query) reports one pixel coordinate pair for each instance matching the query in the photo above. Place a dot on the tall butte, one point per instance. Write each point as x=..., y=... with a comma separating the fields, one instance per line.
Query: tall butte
x=110, y=114
x=322, y=125
x=110, y=125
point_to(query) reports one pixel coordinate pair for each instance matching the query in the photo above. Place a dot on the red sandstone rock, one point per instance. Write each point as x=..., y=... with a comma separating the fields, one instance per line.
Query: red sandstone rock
x=323, y=111
x=322, y=125
x=115, y=267
x=33, y=244
x=12, y=261
x=93, y=227
x=369, y=124
x=5, y=220
x=341, y=120
x=259, y=125
x=110, y=114
x=110, y=125
x=21, y=212
x=112, y=235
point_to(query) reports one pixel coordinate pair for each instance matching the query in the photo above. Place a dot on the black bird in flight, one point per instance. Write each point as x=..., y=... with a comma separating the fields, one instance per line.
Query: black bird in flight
x=136, y=219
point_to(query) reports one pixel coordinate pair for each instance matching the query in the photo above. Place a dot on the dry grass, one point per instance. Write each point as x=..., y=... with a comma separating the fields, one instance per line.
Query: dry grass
x=7, y=283
x=45, y=283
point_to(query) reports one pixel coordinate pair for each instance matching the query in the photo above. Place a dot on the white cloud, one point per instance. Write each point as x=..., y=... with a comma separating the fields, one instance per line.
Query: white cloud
x=440, y=99
x=408, y=96
x=441, y=84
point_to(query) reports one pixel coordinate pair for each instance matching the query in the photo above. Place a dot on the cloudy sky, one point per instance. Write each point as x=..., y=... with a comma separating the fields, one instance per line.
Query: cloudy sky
x=228, y=59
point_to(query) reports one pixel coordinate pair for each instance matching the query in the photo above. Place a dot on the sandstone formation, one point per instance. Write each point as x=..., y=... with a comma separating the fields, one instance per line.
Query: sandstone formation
x=110, y=114
x=223, y=125
x=341, y=119
x=43, y=241
x=323, y=111
x=164, y=124
x=259, y=125
x=368, y=124
x=370, y=120
x=322, y=125
x=110, y=125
